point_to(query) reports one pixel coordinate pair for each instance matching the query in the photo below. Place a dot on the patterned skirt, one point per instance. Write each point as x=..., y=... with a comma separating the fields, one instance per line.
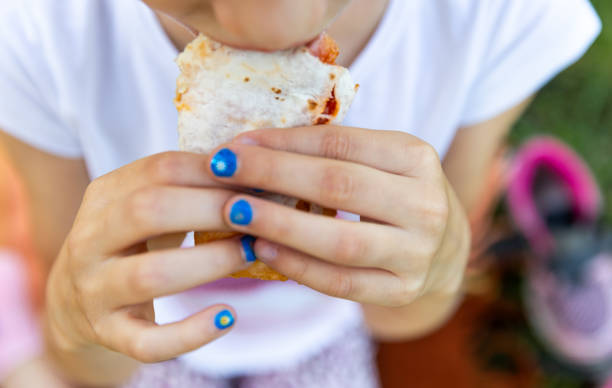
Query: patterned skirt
x=348, y=362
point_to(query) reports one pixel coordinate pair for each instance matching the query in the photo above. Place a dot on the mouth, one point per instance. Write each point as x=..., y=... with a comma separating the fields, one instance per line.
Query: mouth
x=312, y=44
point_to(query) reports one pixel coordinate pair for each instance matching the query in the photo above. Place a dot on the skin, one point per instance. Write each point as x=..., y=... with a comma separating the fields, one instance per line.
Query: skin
x=255, y=24
x=35, y=373
x=404, y=262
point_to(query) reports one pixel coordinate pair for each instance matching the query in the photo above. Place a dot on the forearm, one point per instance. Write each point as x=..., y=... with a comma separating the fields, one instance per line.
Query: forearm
x=83, y=364
x=35, y=373
x=416, y=320
x=435, y=307
x=92, y=366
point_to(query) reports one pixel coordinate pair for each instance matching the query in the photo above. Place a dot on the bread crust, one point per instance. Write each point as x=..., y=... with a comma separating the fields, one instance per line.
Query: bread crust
x=259, y=270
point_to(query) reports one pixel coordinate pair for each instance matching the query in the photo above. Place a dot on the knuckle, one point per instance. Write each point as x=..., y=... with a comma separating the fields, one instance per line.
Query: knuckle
x=428, y=155
x=336, y=145
x=77, y=242
x=101, y=333
x=165, y=167
x=424, y=254
x=144, y=206
x=426, y=251
x=138, y=348
x=394, y=301
x=87, y=290
x=144, y=279
x=350, y=248
x=337, y=185
x=409, y=291
x=436, y=211
x=93, y=188
x=421, y=159
x=282, y=141
x=276, y=225
x=341, y=285
x=98, y=332
x=298, y=270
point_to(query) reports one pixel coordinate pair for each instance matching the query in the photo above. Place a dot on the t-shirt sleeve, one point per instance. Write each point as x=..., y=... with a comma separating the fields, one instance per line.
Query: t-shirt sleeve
x=531, y=41
x=31, y=105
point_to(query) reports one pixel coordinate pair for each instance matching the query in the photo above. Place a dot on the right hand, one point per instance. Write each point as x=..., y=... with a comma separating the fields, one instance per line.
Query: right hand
x=101, y=287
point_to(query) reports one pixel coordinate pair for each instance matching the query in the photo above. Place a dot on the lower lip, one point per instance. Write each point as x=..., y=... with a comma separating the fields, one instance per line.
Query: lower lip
x=308, y=43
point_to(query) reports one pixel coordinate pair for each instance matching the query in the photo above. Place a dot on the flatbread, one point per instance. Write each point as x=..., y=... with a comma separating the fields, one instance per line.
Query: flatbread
x=222, y=92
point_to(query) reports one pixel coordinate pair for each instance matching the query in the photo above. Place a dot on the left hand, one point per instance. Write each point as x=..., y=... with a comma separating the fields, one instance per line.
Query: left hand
x=414, y=236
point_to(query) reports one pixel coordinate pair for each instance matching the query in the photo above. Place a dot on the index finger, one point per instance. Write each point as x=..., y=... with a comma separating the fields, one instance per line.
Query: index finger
x=392, y=151
x=172, y=168
x=140, y=278
x=149, y=342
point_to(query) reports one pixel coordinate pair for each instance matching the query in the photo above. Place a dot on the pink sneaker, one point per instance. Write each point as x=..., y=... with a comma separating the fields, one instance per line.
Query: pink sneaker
x=567, y=191
x=555, y=204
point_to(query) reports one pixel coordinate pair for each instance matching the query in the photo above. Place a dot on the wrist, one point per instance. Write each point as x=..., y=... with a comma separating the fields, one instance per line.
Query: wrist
x=80, y=361
x=60, y=336
x=415, y=320
x=89, y=365
x=449, y=266
x=34, y=373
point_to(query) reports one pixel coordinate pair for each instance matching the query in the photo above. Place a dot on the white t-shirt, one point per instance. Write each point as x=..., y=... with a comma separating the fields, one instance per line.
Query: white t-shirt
x=95, y=79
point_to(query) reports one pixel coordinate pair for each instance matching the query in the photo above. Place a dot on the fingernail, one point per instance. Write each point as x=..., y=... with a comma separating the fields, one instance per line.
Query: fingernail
x=223, y=164
x=241, y=213
x=247, y=247
x=224, y=319
x=267, y=250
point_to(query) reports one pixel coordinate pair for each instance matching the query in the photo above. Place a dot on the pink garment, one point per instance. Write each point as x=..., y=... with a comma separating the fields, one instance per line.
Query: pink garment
x=348, y=362
x=290, y=321
x=20, y=339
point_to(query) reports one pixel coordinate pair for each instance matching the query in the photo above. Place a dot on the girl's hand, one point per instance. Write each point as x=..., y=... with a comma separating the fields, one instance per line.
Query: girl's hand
x=101, y=287
x=414, y=238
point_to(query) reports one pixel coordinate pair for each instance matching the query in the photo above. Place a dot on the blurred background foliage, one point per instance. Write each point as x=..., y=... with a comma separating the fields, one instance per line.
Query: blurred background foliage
x=577, y=108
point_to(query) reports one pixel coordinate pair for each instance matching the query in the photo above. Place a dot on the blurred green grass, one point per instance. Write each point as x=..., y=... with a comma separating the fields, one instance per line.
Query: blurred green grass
x=577, y=108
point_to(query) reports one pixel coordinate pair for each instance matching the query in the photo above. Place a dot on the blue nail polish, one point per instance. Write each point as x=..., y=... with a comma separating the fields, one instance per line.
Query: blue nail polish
x=223, y=164
x=247, y=247
x=241, y=213
x=224, y=319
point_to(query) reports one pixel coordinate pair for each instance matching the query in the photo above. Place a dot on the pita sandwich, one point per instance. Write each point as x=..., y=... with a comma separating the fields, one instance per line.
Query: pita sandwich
x=222, y=92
